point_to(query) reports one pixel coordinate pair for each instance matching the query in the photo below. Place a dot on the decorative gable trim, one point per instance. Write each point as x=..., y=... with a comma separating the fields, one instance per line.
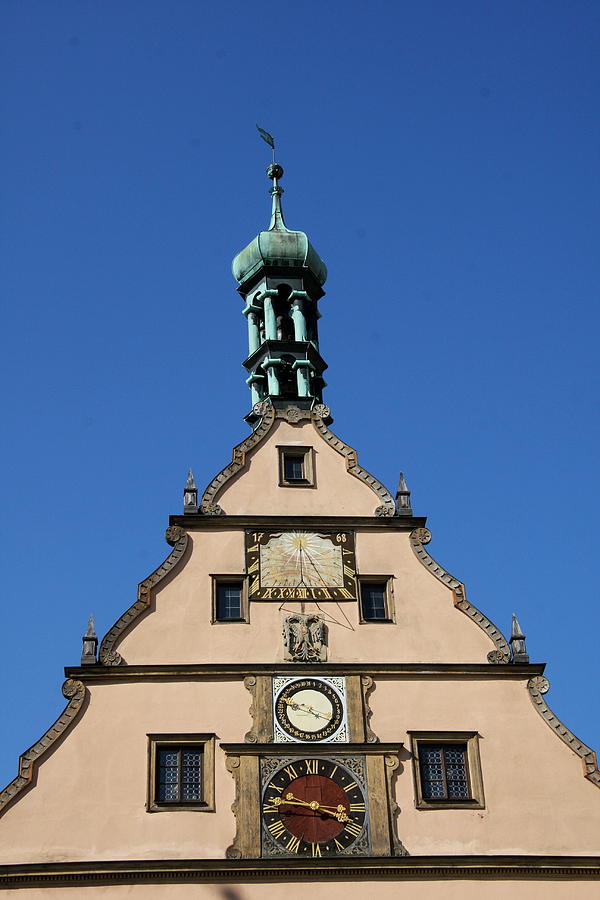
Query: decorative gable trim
x=266, y=410
x=178, y=538
x=539, y=685
x=293, y=414
x=501, y=654
x=387, y=506
x=75, y=691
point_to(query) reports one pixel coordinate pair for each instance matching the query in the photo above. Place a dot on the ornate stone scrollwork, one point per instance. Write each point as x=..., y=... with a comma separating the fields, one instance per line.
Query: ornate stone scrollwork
x=178, y=538
x=208, y=504
x=367, y=685
x=387, y=505
x=321, y=411
x=75, y=692
x=422, y=535
x=539, y=685
x=304, y=638
x=392, y=764
x=501, y=653
x=232, y=764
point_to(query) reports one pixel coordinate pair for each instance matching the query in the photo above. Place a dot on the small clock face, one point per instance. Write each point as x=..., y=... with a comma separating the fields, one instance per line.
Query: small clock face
x=314, y=807
x=301, y=565
x=309, y=709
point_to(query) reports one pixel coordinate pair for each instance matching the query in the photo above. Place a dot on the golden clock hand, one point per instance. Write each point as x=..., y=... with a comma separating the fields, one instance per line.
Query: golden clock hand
x=338, y=812
x=295, y=705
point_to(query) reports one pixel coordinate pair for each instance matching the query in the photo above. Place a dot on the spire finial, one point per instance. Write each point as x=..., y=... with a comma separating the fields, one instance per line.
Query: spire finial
x=190, y=495
x=90, y=643
x=517, y=643
x=274, y=172
x=403, y=507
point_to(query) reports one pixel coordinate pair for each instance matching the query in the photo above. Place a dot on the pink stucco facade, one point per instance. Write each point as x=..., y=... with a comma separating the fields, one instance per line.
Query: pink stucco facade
x=87, y=800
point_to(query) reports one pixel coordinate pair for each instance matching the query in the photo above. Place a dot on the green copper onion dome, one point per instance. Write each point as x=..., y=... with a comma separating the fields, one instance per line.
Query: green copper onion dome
x=278, y=247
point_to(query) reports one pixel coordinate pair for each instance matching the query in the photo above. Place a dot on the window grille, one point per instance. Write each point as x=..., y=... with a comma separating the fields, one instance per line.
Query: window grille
x=179, y=774
x=444, y=771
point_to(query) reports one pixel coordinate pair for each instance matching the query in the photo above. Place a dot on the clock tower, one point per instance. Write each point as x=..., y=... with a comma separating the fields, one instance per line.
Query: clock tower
x=299, y=697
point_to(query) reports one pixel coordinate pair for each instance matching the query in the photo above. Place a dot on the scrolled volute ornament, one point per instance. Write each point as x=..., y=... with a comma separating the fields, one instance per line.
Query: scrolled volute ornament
x=71, y=688
x=212, y=509
x=422, y=535
x=383, y=511
x=110, y=657
x=539, y=684
x=498, y=657
x=261, y=408
x=322, y=411
x=173, y=534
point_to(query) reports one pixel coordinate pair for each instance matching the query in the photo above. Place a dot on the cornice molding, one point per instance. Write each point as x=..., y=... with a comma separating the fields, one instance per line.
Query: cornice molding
x=208, y=504
x=197, y=522
x=75, y=692
x=539, y=685
x=501, y=655
x=178, y=538
x=239, y=671
x=403, y=868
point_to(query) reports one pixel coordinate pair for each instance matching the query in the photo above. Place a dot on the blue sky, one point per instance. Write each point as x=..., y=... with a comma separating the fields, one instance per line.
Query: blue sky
x=443, y=158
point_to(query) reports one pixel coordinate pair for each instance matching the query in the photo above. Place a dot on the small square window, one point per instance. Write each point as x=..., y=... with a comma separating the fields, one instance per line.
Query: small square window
x=376, y=604
x=229, y=599
x=293, y=467
x=296, y=466
x=447, y=770
x=180, y=772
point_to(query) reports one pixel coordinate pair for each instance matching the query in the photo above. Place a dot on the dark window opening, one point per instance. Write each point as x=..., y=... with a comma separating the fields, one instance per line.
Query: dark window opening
x=229, y=601
x=179, y=774
x=293, y=467
x=373, y=601
x=444, y=771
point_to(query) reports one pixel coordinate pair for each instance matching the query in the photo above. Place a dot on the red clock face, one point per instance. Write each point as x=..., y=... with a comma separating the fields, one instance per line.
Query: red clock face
x=314, y=807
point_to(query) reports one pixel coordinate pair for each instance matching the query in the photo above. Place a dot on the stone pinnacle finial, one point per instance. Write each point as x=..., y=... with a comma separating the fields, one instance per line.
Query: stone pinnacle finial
x=403, y=507
x=90, y=643
x=190, y=494
x=517, y=643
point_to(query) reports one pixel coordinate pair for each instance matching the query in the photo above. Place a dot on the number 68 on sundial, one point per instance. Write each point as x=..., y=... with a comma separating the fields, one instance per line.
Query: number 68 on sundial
x=301, y=565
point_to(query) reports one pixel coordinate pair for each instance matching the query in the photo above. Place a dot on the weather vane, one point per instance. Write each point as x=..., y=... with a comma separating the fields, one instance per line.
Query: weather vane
x=268, y=139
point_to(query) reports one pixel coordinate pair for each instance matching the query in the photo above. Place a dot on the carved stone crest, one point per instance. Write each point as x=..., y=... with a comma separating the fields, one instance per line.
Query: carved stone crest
x=304, y=638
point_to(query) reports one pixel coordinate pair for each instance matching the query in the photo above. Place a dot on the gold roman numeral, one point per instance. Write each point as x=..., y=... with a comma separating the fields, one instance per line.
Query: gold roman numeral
x=267, y=808
x=315, y=850
x=357, y=807
x=353, y=828
x=254, y=585
x=275, y=788
x=253, y=567
x=276, y=828
x=333, y=771
x=349, y=787
x=345, y=593
x=291, y=772
x=293, y=844
x=338, y=845
x=312, y=766
x=348, y=572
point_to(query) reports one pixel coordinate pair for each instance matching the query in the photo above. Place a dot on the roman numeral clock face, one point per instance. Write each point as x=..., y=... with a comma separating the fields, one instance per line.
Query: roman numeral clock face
x=314, y=807
x=301, y=565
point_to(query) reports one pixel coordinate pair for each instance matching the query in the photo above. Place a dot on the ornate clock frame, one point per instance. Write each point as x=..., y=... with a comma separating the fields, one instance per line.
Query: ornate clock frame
x=356, y=697
x=379, y=761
